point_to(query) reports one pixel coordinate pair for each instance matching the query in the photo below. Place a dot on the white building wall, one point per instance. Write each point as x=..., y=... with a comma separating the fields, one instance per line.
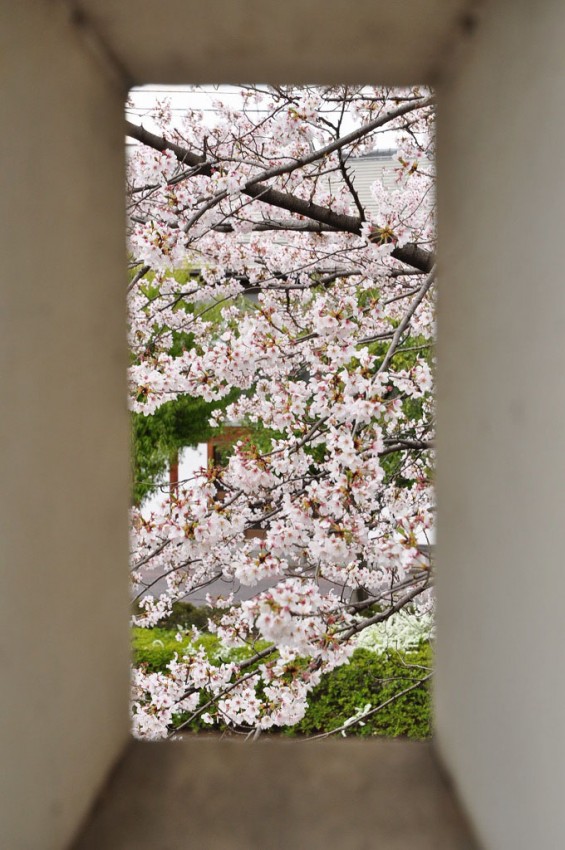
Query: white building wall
x=191, y=460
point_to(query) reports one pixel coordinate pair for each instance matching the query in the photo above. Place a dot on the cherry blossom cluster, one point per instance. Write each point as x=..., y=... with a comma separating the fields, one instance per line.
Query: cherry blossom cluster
x=259, y=277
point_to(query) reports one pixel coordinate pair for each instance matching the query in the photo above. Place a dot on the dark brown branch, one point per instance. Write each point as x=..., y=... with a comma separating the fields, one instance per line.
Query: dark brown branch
x=405, y=445
x=410, y=254
x=283, y=225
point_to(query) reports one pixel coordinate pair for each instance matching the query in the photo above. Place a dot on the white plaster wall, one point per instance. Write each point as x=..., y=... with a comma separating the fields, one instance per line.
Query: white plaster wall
x=63, y=428
x=191, y=460
x=501, y=480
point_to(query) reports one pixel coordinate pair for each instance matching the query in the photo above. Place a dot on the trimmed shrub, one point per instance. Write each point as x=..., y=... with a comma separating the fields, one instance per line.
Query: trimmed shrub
x=370, y=678
x=156, y=647
x=184, y=615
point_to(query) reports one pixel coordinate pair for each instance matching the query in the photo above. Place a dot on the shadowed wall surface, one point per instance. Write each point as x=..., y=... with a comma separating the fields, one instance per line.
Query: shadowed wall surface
x=231, y=795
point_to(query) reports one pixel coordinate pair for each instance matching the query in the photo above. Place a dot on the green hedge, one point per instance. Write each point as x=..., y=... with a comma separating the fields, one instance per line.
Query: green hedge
x=372, y=678
x=155, y=648
x=184, y=615
x=369, y=678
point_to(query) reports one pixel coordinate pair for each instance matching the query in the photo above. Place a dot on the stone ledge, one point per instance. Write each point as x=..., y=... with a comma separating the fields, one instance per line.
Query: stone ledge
x=208, y=794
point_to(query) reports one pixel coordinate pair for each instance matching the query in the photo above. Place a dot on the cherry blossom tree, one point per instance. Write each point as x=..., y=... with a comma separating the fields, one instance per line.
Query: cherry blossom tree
x=259, y=277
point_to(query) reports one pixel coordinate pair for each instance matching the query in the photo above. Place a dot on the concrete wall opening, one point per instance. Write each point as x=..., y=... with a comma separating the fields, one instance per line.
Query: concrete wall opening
x=65, y=470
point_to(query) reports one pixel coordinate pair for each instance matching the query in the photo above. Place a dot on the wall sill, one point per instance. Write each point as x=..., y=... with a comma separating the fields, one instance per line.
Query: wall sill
x=277, y=794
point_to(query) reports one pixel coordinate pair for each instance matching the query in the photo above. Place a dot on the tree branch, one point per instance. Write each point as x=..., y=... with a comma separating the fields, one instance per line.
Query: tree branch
x=411, y=254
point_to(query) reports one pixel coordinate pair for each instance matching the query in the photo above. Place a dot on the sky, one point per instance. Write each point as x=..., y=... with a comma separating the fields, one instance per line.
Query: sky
x=144, y=99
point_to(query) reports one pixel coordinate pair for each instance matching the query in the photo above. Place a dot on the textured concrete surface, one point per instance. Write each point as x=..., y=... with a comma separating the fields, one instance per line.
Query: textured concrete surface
x=499, y=686
x=209, y=794
x=64, y=429
x=232, y=40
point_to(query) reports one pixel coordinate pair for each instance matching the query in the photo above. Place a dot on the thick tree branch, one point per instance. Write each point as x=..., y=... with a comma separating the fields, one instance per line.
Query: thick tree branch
x=411, y=254
x=289, y=224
